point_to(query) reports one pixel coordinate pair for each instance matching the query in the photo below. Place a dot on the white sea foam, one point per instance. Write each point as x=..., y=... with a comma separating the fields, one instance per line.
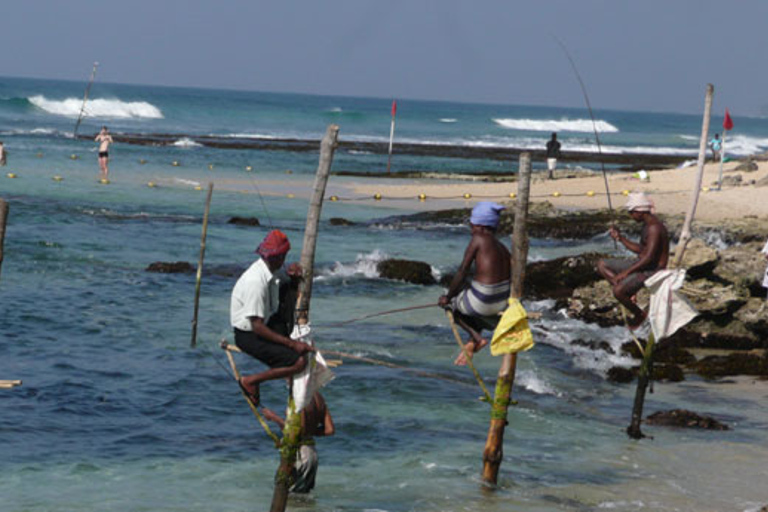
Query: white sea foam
x=448, y=120
x=186, y=142
x=364, y=265
x=535, y=383
x=104, y=108
x=556, y=125
x=187, y=182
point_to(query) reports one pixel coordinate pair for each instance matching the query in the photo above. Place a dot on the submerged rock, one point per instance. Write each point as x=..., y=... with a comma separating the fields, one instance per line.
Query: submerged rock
x=416, y=272
x=621, y=375
x=244, y=221
x=733, y=364
x=684, y=419
x=338, y=221
x=178, y=267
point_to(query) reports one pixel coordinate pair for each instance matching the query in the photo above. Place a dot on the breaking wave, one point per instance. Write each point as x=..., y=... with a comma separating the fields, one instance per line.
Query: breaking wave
x=554, y=125
x=186, y=143
x=104, y=108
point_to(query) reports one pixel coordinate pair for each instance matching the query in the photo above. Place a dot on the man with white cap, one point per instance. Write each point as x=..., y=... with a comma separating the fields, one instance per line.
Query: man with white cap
x=627, y=276
x=477, y=304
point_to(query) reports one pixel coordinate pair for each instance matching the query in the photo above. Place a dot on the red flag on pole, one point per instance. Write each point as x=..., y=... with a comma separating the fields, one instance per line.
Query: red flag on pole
x=727, y=122
x=394, y=107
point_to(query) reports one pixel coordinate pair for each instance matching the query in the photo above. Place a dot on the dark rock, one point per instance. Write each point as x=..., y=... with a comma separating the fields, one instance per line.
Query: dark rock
x=594, y=345
x=748, y=166
x=416, y=272
x=621, y=375
x=631, y=349
x=684, y=419
x=731, y=181
x=244, y=221
x=338, y=221
x=733, y=364
x=179, y=267
x=559, y=277
x=672, y=354
x=699, y=259
x=669, y=372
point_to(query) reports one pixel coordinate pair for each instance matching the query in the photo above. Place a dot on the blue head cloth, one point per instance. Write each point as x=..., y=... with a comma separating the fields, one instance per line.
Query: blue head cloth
x=486, y=213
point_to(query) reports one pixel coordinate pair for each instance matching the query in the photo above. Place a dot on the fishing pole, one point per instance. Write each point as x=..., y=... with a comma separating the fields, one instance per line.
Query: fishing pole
x=85, y=98
x=594, y=129
x=381, y=313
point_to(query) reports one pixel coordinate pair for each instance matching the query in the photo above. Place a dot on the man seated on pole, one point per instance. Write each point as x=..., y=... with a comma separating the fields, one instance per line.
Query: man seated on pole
x=476, y=305
x=627, y=276
x=261, y=314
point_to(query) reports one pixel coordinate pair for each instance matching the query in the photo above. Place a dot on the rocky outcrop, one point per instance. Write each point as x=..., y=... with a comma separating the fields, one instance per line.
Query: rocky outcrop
x=178, y=267
x=748, y=166
x=559, y=277
x=415, y=272
x=681, y=418
x=338, y=221
x=244, y=221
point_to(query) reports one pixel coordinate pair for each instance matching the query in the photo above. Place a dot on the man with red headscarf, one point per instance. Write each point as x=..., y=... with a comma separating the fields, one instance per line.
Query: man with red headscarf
x=261, y=313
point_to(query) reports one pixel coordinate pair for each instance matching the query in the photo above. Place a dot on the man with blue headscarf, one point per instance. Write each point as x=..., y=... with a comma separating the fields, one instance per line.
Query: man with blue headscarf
x=476, y=304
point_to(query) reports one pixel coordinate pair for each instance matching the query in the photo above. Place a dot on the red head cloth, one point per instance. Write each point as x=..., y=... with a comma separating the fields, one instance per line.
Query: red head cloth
x=274, y=244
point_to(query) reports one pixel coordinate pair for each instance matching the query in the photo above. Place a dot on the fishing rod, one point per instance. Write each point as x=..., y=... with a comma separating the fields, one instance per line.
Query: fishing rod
x=594, y=129
x=381, y=313
x=85, y=98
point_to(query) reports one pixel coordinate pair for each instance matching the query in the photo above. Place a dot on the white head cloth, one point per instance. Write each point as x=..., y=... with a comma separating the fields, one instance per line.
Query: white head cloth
x=639, y=202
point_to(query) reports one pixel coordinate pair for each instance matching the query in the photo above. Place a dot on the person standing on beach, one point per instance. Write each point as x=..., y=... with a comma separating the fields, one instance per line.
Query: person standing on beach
x=716, y=145
x=553, y=153
x=765, y=277
x=316, y=421
x=627, y=276
x=3, y=155
x=476, y=305
x=104, y=139
x=261, y=314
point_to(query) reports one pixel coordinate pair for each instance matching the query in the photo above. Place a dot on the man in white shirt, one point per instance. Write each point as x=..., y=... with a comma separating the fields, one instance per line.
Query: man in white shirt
x=256, y=315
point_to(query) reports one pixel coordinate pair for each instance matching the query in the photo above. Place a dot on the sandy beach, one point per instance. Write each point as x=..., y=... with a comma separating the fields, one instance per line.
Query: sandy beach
x=670, y=189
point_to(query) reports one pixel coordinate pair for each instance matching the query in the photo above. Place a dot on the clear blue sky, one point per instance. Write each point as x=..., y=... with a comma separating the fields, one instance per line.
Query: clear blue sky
x=653, y=55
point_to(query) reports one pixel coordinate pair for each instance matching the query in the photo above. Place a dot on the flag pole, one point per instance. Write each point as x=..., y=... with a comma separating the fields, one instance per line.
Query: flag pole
x=727, y=126
x=391, y=134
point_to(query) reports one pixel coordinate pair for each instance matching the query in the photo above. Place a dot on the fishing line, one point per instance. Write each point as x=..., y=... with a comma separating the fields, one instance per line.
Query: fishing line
x=263, y=204
x=381, y=313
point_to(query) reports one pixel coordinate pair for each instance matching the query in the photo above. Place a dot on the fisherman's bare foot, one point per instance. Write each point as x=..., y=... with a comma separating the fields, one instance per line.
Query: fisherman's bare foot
x=471, y=348
x=251, y=392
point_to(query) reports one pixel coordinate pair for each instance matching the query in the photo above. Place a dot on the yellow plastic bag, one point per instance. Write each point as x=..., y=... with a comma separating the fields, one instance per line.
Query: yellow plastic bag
x=513, y=334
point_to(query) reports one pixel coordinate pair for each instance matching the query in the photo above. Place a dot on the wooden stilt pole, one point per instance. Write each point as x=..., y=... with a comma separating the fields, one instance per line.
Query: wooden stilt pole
x=3, y=220
x=85, y=98
x=493, y=452
x=292, y=431
x=646, y=367
x=193, y=343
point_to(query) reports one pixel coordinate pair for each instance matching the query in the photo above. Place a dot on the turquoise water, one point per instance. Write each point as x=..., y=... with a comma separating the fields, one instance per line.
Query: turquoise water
x=118, y=413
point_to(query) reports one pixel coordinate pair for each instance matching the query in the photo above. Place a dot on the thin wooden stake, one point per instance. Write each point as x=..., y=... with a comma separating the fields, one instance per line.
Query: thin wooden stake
x=193, y=343
x=292, y=430
x=3, y=220
x=85, y=98
x=493, y=452
x=646, y=367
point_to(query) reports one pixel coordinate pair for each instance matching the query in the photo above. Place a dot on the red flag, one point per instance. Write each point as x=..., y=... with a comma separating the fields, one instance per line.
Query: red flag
x=727, y=122
x=394, y=107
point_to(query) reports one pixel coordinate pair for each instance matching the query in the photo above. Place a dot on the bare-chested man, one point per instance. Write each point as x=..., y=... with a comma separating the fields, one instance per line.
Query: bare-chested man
x=104, y=139
x=627, y=276
x=477, y=304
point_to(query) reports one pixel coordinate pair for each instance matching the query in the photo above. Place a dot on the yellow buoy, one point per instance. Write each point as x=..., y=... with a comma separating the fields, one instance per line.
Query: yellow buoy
x=57, y=178
x=290, y=196
x=467, y=196
x=422, y=197
x=334, y=198
x=73, y=156
x=11, y=175
x=210, y=167
x=705, y=189
x=556, y=194
x=377, y=196
x=151, y=184
x=175, y=163
x=39, y=155
x=625, y=192
x=591, y=193
x=248, y=168
x=198, y=187
x=288, y=171
x=104, y=181
x=512, y=195
x=142, y=161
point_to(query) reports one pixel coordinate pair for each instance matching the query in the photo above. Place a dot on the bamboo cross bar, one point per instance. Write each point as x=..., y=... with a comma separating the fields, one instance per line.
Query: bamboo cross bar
x=493, y=452
x=8, y=384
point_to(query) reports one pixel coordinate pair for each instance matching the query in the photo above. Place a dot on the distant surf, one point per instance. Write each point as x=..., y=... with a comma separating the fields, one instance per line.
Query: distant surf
x=556, y=125
x=104, y=108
